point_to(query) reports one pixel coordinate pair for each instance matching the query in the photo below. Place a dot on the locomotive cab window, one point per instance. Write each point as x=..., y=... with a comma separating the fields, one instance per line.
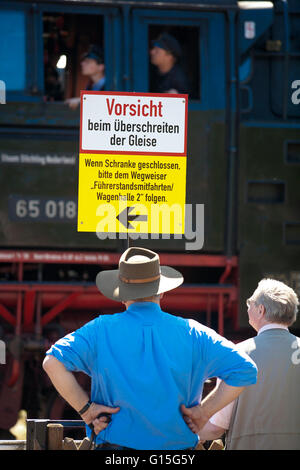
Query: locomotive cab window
x=13, y=44
x=174, y=60
x=73, y=54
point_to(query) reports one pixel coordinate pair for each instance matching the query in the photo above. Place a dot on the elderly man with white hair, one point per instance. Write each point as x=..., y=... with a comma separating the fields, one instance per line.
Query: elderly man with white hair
x=266, y=415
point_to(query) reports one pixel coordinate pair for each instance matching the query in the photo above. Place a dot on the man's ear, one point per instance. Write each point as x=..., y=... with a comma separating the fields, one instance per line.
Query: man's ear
x=261, y=309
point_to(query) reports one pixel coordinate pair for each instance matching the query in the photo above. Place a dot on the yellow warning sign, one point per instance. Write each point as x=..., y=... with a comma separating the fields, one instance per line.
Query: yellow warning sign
x=131, y=193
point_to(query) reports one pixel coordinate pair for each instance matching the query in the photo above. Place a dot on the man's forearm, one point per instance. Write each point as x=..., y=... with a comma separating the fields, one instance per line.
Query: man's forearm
x=68, y=387
x=219, y=397
x=209, y=432
x=65, y=383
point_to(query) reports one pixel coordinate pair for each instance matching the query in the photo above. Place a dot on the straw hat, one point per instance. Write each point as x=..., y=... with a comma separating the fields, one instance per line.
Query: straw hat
x=139, y=275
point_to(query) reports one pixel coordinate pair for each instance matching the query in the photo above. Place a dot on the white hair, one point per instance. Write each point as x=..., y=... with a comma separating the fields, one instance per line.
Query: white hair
x=280, y=301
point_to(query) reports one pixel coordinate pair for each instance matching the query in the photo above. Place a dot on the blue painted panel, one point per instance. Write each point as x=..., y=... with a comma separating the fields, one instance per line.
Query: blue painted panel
x=252, y=24
x=12, y=50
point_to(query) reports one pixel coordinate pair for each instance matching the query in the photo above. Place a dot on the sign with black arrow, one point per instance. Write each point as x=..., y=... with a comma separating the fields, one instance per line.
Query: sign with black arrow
x=125, y=217
x=132, y=163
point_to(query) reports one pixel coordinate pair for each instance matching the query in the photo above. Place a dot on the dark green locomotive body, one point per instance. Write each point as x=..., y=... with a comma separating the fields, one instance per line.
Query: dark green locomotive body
x=241, y=59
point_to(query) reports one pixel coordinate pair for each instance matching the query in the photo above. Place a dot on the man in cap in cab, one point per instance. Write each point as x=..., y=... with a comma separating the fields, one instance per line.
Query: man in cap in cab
x=92, y=66
x=165, y=54
x=147, y=367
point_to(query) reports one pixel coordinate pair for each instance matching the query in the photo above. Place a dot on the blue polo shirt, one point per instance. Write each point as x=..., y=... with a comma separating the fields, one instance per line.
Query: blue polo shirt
x=148, y=363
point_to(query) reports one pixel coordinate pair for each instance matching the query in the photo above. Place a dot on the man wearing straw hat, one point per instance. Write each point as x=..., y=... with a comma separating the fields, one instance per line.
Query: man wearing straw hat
x=147, y=367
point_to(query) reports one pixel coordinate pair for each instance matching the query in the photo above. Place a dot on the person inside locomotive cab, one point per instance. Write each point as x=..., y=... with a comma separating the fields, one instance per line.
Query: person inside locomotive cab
x=92, y=66
x=165, y=54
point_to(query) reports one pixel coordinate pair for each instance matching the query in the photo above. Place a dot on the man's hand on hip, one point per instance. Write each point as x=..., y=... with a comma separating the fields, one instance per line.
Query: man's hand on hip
x=194, y=417
x=197, y=416
x=90, y=416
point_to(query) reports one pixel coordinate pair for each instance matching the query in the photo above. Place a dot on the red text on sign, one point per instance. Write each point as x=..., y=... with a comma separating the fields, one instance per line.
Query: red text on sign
x=134, y=109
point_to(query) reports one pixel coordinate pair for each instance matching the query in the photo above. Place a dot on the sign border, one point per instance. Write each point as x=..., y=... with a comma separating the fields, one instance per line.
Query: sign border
x=127, y=93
